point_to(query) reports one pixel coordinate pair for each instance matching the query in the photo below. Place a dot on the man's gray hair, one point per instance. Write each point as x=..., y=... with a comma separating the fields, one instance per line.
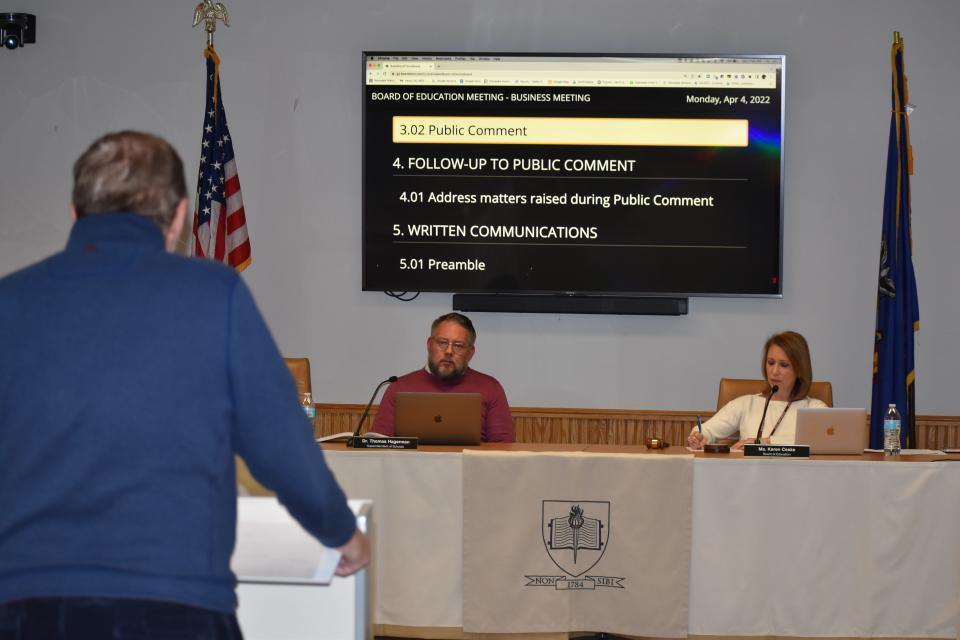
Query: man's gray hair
x=129, y=171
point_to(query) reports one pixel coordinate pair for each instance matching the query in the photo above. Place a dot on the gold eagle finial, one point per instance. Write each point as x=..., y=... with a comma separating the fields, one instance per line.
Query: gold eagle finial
x=210, y=12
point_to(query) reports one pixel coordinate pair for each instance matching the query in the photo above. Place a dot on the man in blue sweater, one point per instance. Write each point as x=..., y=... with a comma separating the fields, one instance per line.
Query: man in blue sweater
x=129, y=378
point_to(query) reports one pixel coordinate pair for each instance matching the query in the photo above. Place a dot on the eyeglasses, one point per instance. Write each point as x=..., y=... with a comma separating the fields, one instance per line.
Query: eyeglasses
x=443, y=344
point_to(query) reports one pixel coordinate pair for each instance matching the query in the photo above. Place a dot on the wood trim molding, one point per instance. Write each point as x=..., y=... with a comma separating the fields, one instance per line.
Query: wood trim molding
x=613, y=426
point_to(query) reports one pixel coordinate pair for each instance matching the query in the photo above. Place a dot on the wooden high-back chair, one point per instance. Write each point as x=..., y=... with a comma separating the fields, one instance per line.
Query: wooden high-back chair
x=731, y=388
x=300, y=370
x=246, y=484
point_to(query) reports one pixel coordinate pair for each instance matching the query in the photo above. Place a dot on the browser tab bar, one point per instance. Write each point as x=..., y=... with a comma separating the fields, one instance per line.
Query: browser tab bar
x=640, y=73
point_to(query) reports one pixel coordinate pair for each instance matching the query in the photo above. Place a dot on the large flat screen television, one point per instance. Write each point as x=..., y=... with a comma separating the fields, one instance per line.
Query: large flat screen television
x=595, y=174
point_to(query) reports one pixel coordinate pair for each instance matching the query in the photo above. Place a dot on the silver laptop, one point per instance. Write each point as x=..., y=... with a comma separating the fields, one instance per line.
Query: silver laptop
x=833, y=431
x=439, y=418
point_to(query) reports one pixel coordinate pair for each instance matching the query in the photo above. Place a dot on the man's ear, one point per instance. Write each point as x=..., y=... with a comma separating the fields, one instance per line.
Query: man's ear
x=176, y=225
x=73, y=212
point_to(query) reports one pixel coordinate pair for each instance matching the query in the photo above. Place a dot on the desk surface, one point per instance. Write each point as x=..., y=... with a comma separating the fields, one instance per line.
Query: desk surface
x=535, y=447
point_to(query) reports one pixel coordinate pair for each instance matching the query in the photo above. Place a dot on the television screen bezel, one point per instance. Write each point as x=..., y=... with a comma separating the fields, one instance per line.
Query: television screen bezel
x=365, y=54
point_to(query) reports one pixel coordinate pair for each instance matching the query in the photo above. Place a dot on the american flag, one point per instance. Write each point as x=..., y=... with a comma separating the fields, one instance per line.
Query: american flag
x=219, y=223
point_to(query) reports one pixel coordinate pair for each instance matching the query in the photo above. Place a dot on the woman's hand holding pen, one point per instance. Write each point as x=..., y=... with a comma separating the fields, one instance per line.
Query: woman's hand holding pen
x=696, y=438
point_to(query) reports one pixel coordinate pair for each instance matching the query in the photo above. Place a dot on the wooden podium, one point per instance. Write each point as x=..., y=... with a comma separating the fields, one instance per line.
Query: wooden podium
x=286, y=588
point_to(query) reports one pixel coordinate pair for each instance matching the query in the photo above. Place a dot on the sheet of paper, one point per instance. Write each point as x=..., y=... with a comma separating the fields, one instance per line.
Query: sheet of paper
x=273, y=547
x=912, y=452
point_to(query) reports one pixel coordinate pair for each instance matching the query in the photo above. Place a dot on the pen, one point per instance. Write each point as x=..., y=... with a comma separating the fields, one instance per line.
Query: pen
x=699, y=426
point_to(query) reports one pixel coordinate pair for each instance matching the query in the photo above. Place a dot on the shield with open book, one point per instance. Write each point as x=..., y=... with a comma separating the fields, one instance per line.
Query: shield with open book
x=575, y=533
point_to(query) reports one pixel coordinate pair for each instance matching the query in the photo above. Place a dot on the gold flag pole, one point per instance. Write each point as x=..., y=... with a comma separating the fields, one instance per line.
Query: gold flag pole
x=210, y=12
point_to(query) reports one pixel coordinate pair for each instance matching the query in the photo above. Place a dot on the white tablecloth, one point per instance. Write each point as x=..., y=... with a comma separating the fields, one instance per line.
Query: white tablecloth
x=825, y=548
x=779, y=547
x=418, y=579
x=524, y=568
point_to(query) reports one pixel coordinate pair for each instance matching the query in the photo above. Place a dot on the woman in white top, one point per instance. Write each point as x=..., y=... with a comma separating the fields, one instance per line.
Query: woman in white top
x=786, y=367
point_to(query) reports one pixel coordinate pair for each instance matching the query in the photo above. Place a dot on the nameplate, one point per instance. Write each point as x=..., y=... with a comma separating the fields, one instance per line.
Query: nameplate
x=365, y=442
x=776, y=450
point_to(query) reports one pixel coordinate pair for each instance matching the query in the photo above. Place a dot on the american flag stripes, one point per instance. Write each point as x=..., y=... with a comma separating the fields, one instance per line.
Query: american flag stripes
x=219, y=223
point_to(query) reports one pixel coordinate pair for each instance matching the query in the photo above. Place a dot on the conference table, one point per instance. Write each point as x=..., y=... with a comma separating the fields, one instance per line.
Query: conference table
x=829, y=547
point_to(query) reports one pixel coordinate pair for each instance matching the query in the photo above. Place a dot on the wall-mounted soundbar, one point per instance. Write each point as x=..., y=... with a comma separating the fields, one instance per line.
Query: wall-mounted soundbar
x=547, y=303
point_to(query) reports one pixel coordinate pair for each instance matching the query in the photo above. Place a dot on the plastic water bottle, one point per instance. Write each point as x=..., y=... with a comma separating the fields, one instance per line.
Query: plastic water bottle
x=308, y=407
x=891, y=431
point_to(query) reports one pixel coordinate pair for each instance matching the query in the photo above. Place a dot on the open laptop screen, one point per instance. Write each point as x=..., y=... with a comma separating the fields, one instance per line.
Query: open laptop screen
x=439, y=418
x=833, y=430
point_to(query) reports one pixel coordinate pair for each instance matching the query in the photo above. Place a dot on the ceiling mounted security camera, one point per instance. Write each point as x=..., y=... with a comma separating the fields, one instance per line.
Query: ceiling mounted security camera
x=17, y=29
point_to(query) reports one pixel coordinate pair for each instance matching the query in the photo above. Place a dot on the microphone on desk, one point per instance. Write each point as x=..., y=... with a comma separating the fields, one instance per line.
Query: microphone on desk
x=363, y=416
x=766, y=404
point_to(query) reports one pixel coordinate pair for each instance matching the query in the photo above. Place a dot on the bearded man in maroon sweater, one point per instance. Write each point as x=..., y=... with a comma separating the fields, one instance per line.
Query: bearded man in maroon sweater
x=450, y=347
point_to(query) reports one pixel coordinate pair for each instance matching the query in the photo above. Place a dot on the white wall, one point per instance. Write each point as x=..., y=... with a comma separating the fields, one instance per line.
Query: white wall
x=292, y=88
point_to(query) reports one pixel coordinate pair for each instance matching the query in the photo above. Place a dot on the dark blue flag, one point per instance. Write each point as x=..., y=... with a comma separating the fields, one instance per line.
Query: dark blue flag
x=898, y=313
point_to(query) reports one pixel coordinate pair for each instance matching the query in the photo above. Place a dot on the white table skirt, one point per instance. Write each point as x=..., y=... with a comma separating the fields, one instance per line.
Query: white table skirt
x=825, y=548
x=779, y=547
x=418, y=579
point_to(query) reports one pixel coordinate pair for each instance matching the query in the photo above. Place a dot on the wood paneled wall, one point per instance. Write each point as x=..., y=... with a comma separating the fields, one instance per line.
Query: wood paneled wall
x=613, y=426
